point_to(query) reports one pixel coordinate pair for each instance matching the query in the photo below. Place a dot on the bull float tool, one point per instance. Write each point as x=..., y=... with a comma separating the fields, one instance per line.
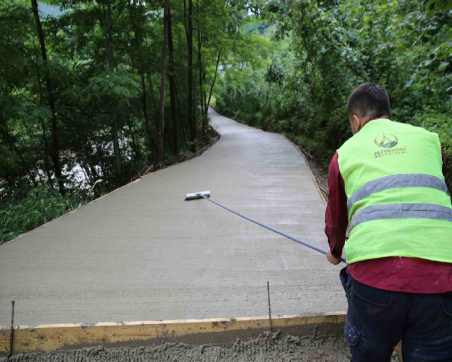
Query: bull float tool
x=205, y=195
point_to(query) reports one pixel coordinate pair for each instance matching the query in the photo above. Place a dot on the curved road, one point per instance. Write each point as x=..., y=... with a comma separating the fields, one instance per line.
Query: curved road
x=142, y=253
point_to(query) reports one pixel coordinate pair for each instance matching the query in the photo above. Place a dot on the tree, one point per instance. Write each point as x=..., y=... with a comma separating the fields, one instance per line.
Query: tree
x=326, y=48
x=94, y=94
x=173, y=129
x=50, y=98
x=190, y=100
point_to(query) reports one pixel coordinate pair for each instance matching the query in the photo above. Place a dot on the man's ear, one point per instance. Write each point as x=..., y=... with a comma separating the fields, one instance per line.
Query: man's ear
x=355, y=123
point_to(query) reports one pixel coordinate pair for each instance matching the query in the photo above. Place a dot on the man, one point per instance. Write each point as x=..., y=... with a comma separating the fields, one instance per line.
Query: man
x=390, y=209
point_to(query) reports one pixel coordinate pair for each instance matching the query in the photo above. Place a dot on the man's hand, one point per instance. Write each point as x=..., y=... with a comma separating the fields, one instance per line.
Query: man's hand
x=332, y=259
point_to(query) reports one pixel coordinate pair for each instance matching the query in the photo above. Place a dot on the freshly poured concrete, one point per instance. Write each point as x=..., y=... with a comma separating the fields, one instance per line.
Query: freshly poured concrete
x=142, y=253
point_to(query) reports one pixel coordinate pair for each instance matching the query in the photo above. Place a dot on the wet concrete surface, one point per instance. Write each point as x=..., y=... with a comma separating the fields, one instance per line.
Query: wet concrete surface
x=265, y=347
x=142, y=253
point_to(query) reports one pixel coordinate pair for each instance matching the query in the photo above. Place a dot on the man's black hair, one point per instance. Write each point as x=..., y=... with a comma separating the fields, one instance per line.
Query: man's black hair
x=369, y=100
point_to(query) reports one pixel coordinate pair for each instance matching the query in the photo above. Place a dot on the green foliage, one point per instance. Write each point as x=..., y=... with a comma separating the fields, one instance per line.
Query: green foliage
x=440, y=123
x=95, y=101
x=86, y=86
x=333, y=47
x=119, y=85
x=40, y=205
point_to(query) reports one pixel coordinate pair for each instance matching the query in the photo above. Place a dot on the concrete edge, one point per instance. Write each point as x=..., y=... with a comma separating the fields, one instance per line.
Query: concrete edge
x=314, y=178
x=46, y=338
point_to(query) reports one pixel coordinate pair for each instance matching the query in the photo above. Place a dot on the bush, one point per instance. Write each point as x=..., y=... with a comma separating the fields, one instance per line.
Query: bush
x=442, y=124
x=41, y=204
x=332, y=49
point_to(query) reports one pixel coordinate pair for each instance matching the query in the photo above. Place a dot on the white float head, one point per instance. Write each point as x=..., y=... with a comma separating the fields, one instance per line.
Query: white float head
x=197, y=195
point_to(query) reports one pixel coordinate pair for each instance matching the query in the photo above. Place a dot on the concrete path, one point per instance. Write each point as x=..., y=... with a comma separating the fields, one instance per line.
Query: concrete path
x=142, y=253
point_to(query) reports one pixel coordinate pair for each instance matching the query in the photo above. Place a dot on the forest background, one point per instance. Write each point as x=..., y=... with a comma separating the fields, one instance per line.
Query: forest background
x=94, y=94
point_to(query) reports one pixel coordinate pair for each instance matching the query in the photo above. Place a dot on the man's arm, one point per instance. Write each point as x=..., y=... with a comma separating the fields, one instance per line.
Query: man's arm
x=336, y=217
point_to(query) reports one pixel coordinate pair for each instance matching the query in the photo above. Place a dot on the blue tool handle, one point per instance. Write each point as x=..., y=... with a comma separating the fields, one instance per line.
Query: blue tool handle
x=287, y=236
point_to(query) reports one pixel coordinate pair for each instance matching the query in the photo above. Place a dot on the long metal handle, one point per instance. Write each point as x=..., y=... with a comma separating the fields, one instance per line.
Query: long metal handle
x=287, y=236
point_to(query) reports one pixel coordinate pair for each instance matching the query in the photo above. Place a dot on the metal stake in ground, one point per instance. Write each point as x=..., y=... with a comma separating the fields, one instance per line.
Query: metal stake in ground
x=11, y=336
x=269, y=307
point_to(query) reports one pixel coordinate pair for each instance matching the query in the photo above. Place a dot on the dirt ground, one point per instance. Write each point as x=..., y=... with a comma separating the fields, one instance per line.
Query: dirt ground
x=265, y=347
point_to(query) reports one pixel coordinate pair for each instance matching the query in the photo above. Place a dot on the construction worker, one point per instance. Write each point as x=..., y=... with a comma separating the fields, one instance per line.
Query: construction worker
x=390, y=209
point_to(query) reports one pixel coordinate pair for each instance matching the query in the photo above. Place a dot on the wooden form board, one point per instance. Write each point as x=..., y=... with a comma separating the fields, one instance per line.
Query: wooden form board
x=63, y=336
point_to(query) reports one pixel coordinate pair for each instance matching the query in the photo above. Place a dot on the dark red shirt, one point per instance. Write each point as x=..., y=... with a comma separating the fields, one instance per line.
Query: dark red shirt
x=399, y=274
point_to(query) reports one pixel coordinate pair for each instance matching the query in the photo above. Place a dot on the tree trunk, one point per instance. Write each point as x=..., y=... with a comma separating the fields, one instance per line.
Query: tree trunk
x=174, y=130
x=50, y=98
x=202, y=96
x=189, y=32
x=115, y=132
x=46, y=159
x=153, y=126
x=45, y=155
x=137, y=43
x=213, y=82
x=160, y=129
x=147, y=121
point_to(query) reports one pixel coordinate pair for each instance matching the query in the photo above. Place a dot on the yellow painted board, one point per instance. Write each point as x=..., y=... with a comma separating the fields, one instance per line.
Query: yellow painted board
x=53, y=337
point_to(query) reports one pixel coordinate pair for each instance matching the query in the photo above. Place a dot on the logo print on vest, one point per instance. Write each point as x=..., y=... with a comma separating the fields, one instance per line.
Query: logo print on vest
x=386, y=141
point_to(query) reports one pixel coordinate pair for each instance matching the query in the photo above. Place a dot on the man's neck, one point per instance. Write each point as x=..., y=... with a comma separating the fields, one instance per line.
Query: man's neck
x=374, y=119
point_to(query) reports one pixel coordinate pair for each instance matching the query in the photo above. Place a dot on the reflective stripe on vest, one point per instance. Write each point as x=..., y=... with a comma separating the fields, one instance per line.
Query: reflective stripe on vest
x=397, y=181
x=401, y=211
